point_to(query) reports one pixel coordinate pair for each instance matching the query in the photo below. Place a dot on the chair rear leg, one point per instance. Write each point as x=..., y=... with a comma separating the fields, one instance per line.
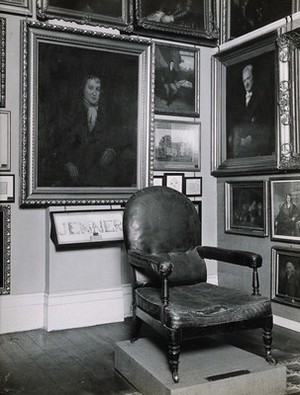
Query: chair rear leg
x=267, y=339
x=174, y=352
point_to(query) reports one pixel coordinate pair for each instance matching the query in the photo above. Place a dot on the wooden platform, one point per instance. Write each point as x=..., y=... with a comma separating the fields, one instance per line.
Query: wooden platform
x=218, y=370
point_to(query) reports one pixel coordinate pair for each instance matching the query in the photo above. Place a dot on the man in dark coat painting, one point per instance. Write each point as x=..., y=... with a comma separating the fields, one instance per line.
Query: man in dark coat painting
x=287, y=218
x=289, y=284
x=251, y=134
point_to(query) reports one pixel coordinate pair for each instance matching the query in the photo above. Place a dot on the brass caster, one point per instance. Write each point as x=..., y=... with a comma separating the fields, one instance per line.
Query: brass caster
x=272, y=361
x=175, y=377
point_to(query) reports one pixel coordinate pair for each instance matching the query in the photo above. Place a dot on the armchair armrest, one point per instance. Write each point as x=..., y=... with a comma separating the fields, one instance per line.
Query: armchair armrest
x=146, y=261
x=237, y=257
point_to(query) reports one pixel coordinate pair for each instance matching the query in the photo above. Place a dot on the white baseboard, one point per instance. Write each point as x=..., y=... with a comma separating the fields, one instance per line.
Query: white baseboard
x=81, y=309
x=21, y=312
x=284, y=322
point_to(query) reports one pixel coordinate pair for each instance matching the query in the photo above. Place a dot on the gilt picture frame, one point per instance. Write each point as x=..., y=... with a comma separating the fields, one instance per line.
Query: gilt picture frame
x=86, y=229
x=246, y=208
x=288, y=44
x=21, y=7
x=241, y=17
x=59, y=66
x=105, y=13
x=285, y=209
x=2, y=62
x=285, y=286
x=197, y=19
x=177, y=76
x=177, y=145
x=5, y=249
x=245, y=134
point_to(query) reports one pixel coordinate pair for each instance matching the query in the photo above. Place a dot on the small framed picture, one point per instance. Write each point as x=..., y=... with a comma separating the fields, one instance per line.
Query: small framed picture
x=246, y=208
x=285, y=209
x=193, y=186
x=176, y=80
x=4, y=140
x=286, y=276
x=82, y=229
x=177, y=145
x=158, y=180
x=174, y=180
x=7, y=188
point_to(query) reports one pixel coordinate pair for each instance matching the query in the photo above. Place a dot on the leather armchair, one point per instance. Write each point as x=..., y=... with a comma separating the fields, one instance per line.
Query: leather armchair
x=170, y=290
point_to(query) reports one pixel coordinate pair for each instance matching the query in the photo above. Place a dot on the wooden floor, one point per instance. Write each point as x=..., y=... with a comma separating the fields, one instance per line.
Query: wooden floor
x=80, y=361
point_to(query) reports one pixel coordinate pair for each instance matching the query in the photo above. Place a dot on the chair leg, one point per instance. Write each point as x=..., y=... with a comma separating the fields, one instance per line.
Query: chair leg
x=267, y=339
x=174, y=351
x=136, y=327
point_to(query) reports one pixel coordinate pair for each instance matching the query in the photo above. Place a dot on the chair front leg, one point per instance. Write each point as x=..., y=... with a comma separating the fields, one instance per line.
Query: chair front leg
x=174, y=352
x=267, y=339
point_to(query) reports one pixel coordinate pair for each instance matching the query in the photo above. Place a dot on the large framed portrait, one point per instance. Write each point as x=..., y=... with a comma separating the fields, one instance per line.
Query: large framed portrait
x=243, y=16
x=177, y=145
x=22, y=7
x=186, y=18
x=289, y=96
x=177, y=70
x=285, y=209
x=286, y=276
x=246, y=208
x=86, y=229
x=245, y=126
x=5, y=249
x=107, y=13
x=2, y=61
x=85, y=116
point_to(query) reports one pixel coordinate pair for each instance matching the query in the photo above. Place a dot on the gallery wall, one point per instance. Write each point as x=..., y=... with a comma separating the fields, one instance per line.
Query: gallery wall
x=80, y=287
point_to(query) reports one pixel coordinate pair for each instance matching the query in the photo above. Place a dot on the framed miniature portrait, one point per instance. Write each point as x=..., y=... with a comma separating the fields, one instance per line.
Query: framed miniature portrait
x=107, y=13
x=175, y=181
x=5, y=249
x=89, y=228
x=194, y=19
x=177, y=145
x=176, y=80
x=243, y=16
x=246, y=208
x=86, y=95
x=285, y=209
x=286, y=276
x=245, y=122
x=2, y=61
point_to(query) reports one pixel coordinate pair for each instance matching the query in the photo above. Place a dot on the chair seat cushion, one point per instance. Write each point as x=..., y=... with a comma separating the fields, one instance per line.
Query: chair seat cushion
x=202, y=305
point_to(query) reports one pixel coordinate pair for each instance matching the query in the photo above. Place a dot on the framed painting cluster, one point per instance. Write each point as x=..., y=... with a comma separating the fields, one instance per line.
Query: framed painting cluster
x=86, y=229
x=76, y=153
x=5, y=248
x=190, y=186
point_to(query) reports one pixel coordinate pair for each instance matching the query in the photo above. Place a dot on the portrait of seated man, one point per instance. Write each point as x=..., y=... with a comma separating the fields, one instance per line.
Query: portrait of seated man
x=287, y=221
x=289, y=284
x=250, y=113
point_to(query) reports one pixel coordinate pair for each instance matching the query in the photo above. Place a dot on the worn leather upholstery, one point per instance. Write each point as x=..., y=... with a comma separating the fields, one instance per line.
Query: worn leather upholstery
x=202, y=305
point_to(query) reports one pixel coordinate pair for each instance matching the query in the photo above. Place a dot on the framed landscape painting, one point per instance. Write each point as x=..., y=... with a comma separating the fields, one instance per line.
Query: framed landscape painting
x=177, y=145
x=85, y=97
